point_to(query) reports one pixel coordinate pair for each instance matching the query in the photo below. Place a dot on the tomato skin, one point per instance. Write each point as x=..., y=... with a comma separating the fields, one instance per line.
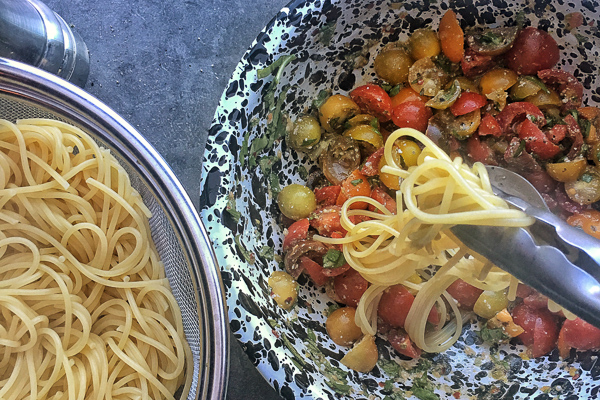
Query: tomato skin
x=373, y=99
x=349, y=287
x=588, y=220
x=452, y=37
x=579, y=335
x=411, y=114
x=298, y=230
x=541, y=329
x=557, y=133
x=402, y=343
x=474, y=64
x=371, y=165
x=536, y=141
x=467, y=102
x=356, y=184
x=394, y=305
x=489, y=126
x=465, y=293
x=327, y=196
x=381, y=196
x=532, y=51
x=314, y=270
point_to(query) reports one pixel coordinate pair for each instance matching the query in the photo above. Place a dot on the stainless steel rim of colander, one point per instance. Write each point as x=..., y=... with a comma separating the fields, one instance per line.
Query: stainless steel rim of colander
x=40, y=88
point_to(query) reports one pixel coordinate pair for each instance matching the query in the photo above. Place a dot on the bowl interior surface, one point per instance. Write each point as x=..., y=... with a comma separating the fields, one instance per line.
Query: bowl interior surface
x=26, y=92
x=334, y=43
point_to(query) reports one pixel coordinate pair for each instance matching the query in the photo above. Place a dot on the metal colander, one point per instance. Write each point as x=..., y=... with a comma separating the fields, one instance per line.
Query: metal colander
x=180, y=237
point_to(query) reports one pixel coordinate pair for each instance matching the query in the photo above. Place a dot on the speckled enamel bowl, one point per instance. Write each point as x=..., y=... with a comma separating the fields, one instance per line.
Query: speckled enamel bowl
x=335, y=43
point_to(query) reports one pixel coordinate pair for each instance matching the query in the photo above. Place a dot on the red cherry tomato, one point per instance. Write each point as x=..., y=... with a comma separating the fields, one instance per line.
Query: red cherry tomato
x=467, y=102
x=579, y=335
x=490, y=126
x=402, y=343
x=541, y=328
x=480, y=151
x=372, y=99
x=465, y=293
x=411, y=114
x=516, y=112
x=536, y=141
x=394, y=305
x=381, y=196
x=533, y=51
x=314, y=270
x=349, y=287
x=326, y=220
x=327, y=196
x=298, y=230
x=371, y=165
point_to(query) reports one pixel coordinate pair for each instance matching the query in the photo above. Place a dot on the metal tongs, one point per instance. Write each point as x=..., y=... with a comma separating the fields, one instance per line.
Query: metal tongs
x=558, y=260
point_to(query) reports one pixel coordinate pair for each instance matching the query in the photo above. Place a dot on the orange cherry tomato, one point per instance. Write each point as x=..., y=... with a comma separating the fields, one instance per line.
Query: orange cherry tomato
x=356, y=184
x=588, y=220
x=407, y=94
x=452, y=37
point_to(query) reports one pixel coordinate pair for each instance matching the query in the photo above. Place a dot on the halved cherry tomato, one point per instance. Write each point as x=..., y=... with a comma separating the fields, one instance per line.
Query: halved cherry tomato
x=474, y=64
x=541, y=328
x=407, y=94
x=452, y=37
x=381, y=196
x=467, y=102
x=411, y=114
x=489, y=126
x=579, y=335
x=465, y=293
x=588, y=220
x=515, y=112
x=298, y=230
x=557, y=133
x=372, y=99
x=394, y=305
x=356, y=184
x=371, y=166
x=402, y=343
x=349, y=287
x=536, y=141
x=314, y=270
x=327, y=195
x=326, y=220
x=480, y=151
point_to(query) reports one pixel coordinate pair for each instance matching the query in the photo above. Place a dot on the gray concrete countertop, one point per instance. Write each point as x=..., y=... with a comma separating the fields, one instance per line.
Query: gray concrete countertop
x=162, y=65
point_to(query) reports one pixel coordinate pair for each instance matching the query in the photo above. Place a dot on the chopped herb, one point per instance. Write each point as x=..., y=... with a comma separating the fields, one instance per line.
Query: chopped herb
x=587, y=178
x=598, y=155
x=489, y=37
x=423, y=388
x=297, y=359
x=320, y=99
x=585, y=126
x=390, y=367
x=394, y=396
x=580, y=38
x=230, y=208
x=538, y=82
x=519, y=149
x=520, y=19
x=575, y=115
x=356, y=182
x=375, y=124
x=444, y=63
x=274, y=184
x=391, y=90
x=332, y=307
x=248, y=255
x=75, y=150
x=333, y=259
x=340, y=388
x=278, y=65
x=326, y=33
x=267, y=252
x=302, y=172
x=423, y=365
x=492, y=335
x=244, y=149
x=266, y=165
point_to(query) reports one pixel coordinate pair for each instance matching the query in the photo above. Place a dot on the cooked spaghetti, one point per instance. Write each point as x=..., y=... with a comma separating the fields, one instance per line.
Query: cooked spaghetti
x=389, y=248
x=85, y=309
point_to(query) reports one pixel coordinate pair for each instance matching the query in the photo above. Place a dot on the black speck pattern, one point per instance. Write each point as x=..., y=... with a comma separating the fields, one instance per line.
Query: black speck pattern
x=361, y=29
